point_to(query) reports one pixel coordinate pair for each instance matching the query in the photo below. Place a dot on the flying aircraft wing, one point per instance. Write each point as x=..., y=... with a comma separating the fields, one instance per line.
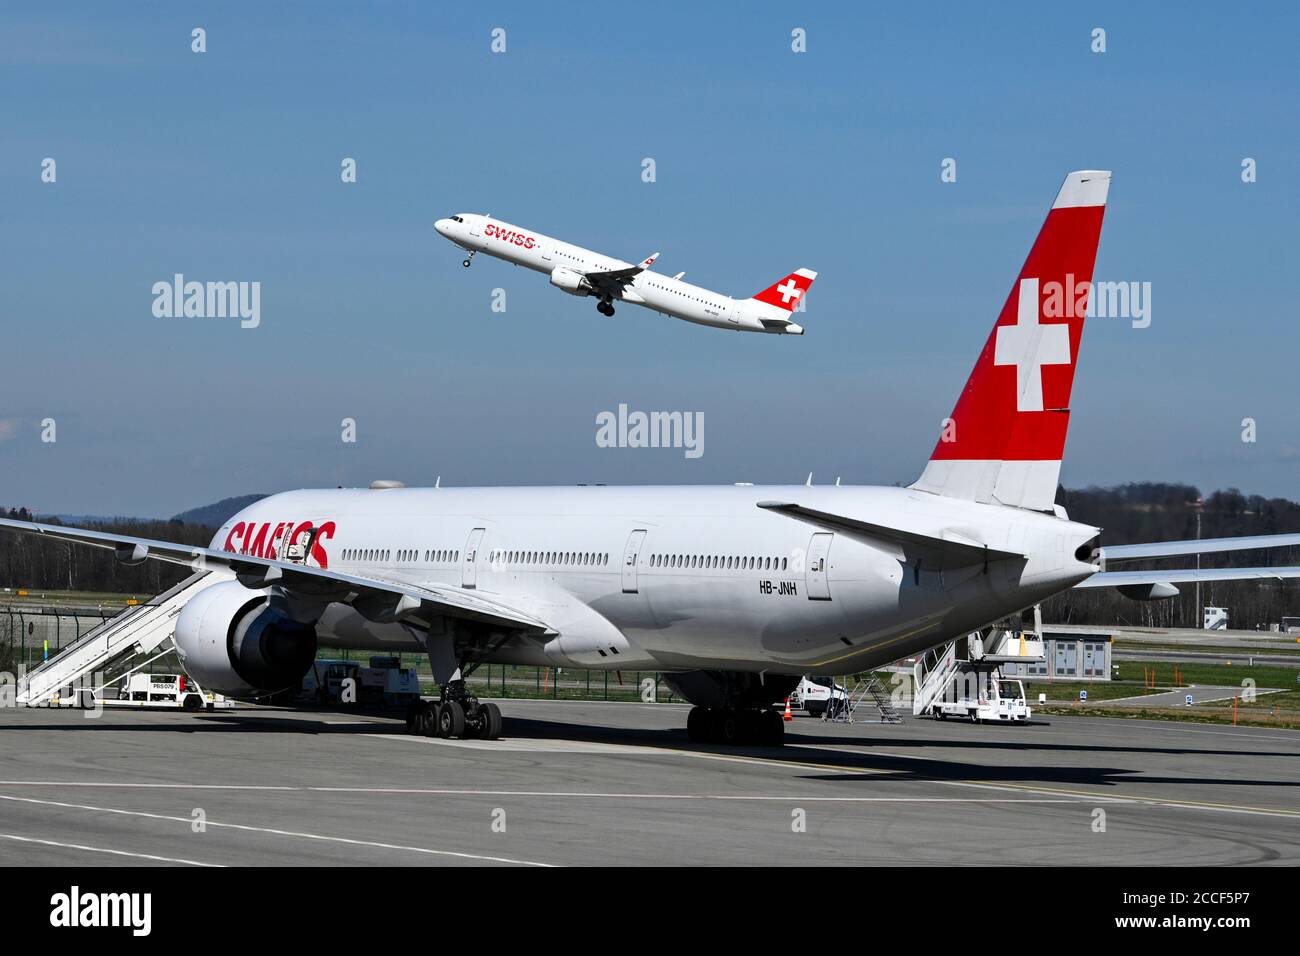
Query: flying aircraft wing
x=376, y=599
x=951, y=550
x=613, y=282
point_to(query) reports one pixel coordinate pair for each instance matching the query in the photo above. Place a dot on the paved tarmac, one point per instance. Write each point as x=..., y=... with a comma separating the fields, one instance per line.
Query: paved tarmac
x=595, y=783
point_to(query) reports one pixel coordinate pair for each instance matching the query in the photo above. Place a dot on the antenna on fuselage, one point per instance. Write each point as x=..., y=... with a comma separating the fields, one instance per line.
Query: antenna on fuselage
x=837, y=481
x=808, y=483
x=438, y=482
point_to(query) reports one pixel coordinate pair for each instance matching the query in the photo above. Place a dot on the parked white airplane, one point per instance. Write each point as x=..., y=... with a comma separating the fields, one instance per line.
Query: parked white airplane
x=581, y=272
x=732, y=592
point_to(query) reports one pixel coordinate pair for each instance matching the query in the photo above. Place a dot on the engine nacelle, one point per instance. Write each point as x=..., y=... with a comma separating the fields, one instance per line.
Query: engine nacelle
x=566, y=280
x=232, y=641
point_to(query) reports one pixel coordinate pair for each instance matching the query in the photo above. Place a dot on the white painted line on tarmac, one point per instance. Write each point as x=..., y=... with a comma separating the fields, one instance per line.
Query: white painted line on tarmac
x=557, y=794
x=100, y=849
x=296, y=834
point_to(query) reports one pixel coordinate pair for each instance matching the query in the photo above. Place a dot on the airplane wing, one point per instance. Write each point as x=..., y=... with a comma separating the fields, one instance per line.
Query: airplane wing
x=1167, y=549
x=378, y=600
x=1155, y=585
x=951, y=550
x=1116, y=579
x=613, y=282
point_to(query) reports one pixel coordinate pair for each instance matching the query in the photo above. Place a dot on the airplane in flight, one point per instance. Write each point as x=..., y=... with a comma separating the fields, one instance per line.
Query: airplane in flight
x=731, y=592
x=581, y=272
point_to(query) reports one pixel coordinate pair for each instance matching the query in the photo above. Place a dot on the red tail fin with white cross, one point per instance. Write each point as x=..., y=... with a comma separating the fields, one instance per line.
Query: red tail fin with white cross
x=1004, y=441
x=787, y=293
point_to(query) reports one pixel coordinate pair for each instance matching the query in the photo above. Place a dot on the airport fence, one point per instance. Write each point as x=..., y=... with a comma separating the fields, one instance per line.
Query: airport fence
x=31, y=633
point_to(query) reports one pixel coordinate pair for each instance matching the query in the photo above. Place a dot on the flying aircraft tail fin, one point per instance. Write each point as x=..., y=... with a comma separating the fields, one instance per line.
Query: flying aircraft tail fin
x=781, y=299
x=1004, y=440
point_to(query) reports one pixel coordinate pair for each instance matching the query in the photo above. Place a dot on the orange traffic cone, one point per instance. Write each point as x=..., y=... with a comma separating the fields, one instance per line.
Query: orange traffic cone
x=788, y=715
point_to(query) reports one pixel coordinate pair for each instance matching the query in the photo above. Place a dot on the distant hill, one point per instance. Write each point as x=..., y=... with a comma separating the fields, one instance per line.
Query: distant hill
x=215, y=515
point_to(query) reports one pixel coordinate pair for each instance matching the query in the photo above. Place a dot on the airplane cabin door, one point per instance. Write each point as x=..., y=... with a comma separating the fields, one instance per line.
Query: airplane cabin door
x=469, y=563
x=546, y=250
x=632, y=557
x=815, y=576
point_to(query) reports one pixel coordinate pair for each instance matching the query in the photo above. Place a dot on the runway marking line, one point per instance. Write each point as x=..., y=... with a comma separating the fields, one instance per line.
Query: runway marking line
x=557, y=794
x=100, y=849
x=301, y=835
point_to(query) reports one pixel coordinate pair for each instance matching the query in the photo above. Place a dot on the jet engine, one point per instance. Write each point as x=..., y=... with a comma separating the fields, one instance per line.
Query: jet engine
x=231, y=640
x=566, y=280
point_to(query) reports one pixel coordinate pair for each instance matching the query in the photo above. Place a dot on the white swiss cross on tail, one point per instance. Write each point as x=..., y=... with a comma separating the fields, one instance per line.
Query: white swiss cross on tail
x=1029, y=345
x=789, y=290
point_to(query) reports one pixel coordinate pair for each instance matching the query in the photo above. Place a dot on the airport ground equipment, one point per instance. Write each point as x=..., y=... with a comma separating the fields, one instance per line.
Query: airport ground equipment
x=947, y=684
x=144, y=630
x=176, y=691
x=384, y=683
x=844, y=708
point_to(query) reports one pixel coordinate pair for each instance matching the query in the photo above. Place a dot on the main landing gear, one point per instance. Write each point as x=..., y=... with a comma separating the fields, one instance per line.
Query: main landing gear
x=605, y=307
x=457, y=714
x=468, y=259
x=725, y=725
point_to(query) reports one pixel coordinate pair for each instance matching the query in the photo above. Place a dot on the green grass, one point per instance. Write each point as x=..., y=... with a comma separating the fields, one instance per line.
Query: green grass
x=1290, y=650
x=1205, y=672
x=1097, y=690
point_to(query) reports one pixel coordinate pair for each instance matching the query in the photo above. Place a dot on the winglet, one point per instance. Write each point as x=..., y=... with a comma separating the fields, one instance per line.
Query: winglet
x=647, y=263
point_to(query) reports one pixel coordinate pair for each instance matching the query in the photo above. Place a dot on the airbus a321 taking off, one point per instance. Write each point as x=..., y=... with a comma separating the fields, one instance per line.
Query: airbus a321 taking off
x=581, y=272
x=731, y=592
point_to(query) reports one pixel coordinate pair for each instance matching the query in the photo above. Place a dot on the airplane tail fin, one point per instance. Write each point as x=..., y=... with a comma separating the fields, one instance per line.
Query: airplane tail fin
x=1004, y=441
x=780, y=300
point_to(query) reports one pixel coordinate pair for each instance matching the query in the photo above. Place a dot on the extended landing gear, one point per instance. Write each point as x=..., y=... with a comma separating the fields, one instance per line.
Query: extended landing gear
x=605, y=307
x=724, y=725
x=457, y=715
x=468, y=259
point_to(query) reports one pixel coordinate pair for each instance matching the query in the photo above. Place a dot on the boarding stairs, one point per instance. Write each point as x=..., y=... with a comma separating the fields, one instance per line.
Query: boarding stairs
x=932, y=675
x=144, y=629
x=845, y=709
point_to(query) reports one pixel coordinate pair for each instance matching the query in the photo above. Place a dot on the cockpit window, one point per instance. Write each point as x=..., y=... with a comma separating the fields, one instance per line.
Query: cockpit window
x=457, y=219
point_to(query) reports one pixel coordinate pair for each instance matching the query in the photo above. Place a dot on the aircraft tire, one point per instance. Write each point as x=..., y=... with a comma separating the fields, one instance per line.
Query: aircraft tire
x=491, y=722
x=451, y=720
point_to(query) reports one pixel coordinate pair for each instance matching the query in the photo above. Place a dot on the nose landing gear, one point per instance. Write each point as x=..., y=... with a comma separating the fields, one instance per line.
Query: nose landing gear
x=468, y=259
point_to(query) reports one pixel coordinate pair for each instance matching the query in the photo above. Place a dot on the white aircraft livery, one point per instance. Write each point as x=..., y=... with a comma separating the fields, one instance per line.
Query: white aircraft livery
x=581, y=272
x=731, y=592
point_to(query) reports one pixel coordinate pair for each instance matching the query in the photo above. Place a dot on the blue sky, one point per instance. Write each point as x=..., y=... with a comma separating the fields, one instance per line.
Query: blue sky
x=225, y=166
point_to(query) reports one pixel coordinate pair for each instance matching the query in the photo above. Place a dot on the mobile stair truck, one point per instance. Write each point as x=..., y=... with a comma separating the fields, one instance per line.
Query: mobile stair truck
x=963, y=678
